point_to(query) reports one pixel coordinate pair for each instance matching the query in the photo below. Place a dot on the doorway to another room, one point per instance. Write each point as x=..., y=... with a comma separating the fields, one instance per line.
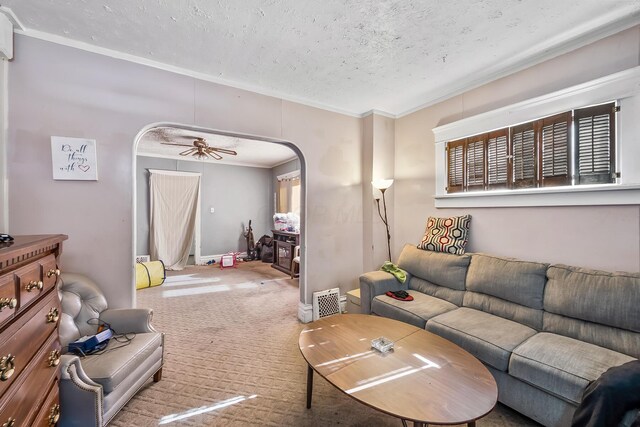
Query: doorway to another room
x=213, y=203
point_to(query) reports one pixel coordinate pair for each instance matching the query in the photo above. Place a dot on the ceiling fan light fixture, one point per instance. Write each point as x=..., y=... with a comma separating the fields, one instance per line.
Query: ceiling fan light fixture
x=201, y=150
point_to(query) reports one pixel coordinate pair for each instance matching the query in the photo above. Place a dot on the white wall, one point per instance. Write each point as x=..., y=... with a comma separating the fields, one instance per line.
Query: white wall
x=57, y=90
x=606, y=237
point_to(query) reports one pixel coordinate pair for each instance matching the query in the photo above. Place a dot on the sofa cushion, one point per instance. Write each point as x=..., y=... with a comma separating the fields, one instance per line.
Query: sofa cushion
x=452, y=295
x=416, y=312
x=489, y=338
x=562, y=366
x=447, y=235
x=521, y=282
x=505, y=309
x=437, y=268
x=616, y=339
x=118, y=361
x=596, y=296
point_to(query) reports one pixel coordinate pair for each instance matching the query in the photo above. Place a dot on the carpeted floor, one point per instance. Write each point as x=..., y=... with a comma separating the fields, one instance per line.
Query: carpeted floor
x=232, y=358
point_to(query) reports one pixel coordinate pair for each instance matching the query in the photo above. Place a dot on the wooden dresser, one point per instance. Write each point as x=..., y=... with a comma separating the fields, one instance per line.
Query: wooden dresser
x=29, y=343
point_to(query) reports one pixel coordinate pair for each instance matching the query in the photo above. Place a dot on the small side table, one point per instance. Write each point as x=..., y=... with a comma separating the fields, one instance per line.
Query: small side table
x=353, y=301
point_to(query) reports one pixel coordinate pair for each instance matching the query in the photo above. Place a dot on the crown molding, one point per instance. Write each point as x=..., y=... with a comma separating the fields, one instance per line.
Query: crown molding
x=379, y=113
x=212, y=162
x=53, y=38
x=17, y=25
x=572, y=39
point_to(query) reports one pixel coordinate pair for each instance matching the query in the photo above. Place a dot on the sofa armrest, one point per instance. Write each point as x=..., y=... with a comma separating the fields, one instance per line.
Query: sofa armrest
x=128, y=320
x=377, y=283
x=80, y=397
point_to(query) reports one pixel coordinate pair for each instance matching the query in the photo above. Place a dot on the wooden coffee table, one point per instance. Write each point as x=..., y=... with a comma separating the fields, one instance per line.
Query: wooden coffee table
x=425, y=379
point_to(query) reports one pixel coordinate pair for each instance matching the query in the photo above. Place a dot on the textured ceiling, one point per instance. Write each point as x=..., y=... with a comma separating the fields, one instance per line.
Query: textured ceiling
x=250, y=152
x=348, y=55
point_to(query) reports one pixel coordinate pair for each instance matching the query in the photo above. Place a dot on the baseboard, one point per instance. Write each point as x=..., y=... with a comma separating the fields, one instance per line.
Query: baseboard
x=305, y=311
x=206, y=258
x=343, y=303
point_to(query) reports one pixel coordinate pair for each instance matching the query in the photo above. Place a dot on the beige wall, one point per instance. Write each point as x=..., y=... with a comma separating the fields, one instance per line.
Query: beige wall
x=57, y=90
x=606, y=237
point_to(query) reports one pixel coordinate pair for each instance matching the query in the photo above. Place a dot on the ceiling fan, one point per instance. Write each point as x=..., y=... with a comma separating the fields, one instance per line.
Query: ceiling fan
x=201, y=150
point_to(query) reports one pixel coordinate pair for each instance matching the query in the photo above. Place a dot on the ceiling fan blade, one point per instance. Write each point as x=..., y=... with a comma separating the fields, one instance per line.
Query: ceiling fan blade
x=214, y=155
x=189, y=151
x=180, y=145
x=223, y=151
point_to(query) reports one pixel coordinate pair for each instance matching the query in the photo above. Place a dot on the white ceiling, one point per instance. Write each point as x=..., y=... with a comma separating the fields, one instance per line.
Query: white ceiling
x=347, y=55
x=253, y=153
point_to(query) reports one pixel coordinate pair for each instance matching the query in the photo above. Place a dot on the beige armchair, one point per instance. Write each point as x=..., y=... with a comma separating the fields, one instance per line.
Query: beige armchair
x=94, y=388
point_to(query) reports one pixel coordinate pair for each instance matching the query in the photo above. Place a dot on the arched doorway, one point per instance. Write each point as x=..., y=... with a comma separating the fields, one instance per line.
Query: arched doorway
x=244, y=137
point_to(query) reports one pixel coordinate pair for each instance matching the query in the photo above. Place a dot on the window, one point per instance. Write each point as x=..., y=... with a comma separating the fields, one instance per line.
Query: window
x=537, y=153
x=288, y=193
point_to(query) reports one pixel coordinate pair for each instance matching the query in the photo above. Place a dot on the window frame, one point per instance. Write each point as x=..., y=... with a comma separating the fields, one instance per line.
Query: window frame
x=623, y=86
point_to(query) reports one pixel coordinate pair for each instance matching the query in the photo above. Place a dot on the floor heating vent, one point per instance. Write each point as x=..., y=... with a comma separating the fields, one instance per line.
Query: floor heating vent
x=326, y=303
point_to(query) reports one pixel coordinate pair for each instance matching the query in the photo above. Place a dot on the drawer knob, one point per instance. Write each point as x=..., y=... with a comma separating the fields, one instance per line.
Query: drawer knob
x=7, y=367
x=53, y=272
x=53, y=315
x=9, y=423
x=34, y=285
x=54, y=358
x=8, y=302
x=54, y=414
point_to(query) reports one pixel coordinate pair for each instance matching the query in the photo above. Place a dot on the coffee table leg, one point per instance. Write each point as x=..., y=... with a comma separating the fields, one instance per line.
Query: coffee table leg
x=309, y=385
x=471, y=424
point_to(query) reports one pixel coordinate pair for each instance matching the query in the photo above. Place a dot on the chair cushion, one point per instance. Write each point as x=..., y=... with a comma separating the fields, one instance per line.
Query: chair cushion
x=416, y=312
x=560, y=365
x=489, y=338
x=119, y=360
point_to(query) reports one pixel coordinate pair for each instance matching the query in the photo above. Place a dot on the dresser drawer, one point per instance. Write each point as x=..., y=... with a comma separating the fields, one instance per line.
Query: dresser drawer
x=30, y=284
x=24, y=401
x=8, y=298
x=50, y=409
x=49, y=272
x=18, y=344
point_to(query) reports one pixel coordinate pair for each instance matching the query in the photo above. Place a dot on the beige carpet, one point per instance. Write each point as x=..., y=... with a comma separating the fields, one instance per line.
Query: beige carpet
x=232, y=358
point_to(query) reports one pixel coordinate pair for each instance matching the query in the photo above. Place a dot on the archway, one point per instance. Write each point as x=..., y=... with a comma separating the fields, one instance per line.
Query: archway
x=303, y=189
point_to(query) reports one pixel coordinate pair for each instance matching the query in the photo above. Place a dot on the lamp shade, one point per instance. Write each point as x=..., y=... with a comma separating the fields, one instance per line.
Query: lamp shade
x=382, y=184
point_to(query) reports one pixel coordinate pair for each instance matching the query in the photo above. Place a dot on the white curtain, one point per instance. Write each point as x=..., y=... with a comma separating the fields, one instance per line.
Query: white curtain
x=288, y=195
x=174, y=200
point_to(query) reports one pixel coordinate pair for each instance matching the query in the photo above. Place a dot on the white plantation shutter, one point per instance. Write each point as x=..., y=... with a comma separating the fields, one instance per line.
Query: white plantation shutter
x=475, y=157
x=455, y=166
x=555, y=139
x=595, y=142
x=497, y=159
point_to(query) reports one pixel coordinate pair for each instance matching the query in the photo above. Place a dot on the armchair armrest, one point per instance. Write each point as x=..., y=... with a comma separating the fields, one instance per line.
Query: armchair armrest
x=129, y=320
x=377, y=283
x=79, y=395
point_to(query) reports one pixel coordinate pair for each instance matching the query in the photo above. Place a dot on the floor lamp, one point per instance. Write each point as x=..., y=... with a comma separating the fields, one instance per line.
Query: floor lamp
x=383, y=185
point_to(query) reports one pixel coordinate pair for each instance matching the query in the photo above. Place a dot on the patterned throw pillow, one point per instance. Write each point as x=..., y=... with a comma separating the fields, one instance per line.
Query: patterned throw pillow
x=446, y=234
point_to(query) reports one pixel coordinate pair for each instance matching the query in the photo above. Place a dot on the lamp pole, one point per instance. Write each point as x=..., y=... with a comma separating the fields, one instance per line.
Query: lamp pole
x=384, y=219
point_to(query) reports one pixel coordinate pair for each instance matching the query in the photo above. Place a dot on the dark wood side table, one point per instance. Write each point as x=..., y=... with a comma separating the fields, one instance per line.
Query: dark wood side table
x=284, y=243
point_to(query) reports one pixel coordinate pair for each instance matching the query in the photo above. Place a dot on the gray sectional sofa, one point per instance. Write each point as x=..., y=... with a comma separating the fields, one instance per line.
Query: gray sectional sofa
x=544, y=331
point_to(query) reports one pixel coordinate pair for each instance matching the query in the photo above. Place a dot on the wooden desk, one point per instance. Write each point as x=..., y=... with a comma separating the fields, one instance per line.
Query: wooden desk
x=425, y=379
x=283, y=244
